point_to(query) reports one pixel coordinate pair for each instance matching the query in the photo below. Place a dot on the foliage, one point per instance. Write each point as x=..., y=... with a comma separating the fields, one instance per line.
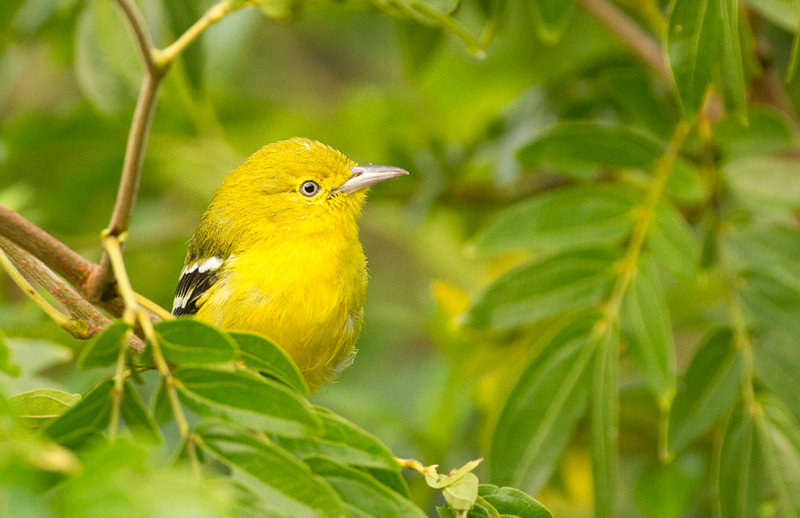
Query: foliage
x=590, y=278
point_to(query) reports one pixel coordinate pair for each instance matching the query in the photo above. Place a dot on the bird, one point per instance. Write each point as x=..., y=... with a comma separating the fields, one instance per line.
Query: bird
x=277, y=253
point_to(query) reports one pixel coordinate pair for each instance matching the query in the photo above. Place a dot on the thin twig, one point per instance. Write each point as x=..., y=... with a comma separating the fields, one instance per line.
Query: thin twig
x=214, y=14
x=76, y=327
x=645, y=47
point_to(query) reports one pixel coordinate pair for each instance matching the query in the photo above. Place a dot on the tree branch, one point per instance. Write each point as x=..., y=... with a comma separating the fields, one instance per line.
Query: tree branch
x=645, y=48
x=144, y=42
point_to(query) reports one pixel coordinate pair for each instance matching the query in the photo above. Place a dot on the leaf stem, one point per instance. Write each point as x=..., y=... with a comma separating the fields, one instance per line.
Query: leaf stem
x=215, y=13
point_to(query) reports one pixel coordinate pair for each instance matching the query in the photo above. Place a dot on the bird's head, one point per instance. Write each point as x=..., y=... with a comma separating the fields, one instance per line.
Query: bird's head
x=299, y=180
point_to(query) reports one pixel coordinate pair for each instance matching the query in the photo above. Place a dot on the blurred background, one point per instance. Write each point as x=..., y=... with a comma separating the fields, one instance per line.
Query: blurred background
x=381, y=89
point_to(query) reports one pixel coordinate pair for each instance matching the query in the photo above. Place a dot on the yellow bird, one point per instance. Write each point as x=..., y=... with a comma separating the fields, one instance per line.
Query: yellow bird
x=277, y=252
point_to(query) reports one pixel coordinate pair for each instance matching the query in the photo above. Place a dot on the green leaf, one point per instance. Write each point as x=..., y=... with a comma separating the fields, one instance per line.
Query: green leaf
x=731, y=65
x=741, y=467
x=767, y=131
x=774, y=304
x=766, y=180
x=708, y=388
x=694, y=40
x=542, y=409
x=159, y=403
x=543, y=289
x=136, y=416
x=513, y=502
x=671, y=242
x=7, y=364
x=264, y=355
x=783, y=13
x=343, y=442
x=247, y=399
x=106, y=64
x=103, y=349
x=779, y=434
x=774, y=250
x=186, y=341
x=279, y=9
x=42, y=406
x=361, y=491
x=581, y=147
x=551, y=17
x=285, y=485
x=646, y=322
x=604, y=429
x=777, y=364
x=665, y=490
x=88, y=418
x=562, y=219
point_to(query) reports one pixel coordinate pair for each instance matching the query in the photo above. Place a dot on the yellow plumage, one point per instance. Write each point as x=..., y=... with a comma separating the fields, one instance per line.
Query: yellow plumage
x=277, y=252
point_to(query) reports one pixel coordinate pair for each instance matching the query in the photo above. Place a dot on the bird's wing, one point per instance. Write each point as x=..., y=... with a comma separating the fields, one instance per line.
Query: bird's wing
x=196, y=278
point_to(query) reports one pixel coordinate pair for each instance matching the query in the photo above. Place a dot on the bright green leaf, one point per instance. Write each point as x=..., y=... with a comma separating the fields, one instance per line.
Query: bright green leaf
x=767, y=131
x=562, y=219
x=186, y=341
x=343, y=442
x=773, y=303
x=783, y=13
x=551, y=17
x=671, y=242
x=284, y=484
x=604, y=431
x=264, y=355
x=7, y=364
x=665, y=490
x=542, y=409
x=513, y=502
x=741, y=468
x=731, y=65
x=543, y=289
x=136, y=416
x=40, y=407
x=646, y=321
x=86, y=419
x=766, y=180
x=247, y=399
x=777, y=364
x=361, y=491
x=708, y=388
x=694, y=40
x=103, y=348
x=779, y=434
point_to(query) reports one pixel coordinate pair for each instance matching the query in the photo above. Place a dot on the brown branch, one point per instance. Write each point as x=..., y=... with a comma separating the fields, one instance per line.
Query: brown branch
x=80, y=309
x=645, y=48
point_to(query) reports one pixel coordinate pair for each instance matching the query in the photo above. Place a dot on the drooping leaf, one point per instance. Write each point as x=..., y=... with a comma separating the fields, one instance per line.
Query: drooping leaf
x=551, y=17
x=777, y=363
x=186, y=341
x=767, y=131
x=537, y=419
x=86, y=419
x=264, y=355
x=560, y=220
x=543, y=289
x=783, y=13
x=578, y=147
x=646, y=322
x=103, y=349
x=513, y=502
x=665, y=490
x=671, y=242
x=774, y=304
x=247, y=399
x=766, y=180
x=779, y=434
x=343, y=442
x=361, y=491
x=731, y=64
x=741, y=468
x=285, y=484
x=136, y=416
x=708, y=388
x=694, y=40
x=604, y=431
x=40, y=407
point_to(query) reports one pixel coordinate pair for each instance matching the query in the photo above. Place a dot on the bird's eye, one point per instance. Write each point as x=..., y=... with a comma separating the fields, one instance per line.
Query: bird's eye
x=309, y=188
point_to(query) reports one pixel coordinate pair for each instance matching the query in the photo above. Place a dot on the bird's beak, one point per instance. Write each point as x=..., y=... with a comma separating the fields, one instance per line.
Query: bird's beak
x=365, y=175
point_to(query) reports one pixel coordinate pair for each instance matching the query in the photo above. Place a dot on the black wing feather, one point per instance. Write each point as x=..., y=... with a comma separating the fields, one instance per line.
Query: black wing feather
x=191, y=286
